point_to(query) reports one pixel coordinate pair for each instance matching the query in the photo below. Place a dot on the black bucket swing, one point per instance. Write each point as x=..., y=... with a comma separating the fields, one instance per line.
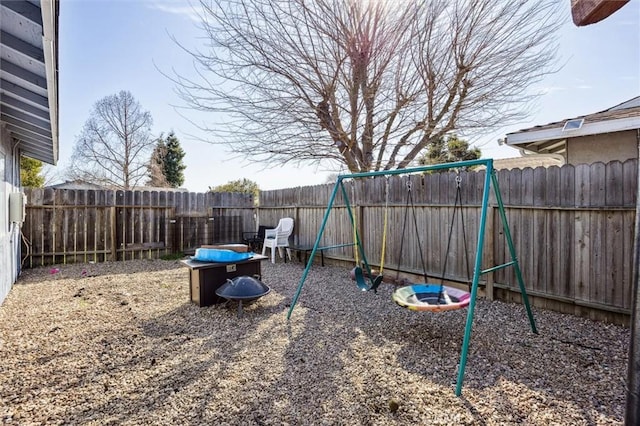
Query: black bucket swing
x=427, y=296
x=357, y=273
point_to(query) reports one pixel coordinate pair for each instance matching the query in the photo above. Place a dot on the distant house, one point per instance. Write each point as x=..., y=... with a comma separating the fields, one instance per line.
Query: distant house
x=28, y=112
x=609, y=135
x=532, y=161
x=76, y=184
x=80, y=184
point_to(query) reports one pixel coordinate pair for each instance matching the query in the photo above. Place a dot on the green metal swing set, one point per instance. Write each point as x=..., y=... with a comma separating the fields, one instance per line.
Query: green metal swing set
x=490, y=181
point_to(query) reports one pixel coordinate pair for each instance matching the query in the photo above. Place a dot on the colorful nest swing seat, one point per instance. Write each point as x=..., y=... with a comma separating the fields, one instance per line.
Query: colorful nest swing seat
x=431, y=297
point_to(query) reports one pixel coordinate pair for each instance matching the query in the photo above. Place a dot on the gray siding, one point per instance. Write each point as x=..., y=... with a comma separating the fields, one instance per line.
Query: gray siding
x=9, y=233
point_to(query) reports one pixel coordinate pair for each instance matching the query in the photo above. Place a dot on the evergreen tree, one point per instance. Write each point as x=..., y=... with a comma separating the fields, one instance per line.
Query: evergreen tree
x=165, y=168
x=246, y=186
x=451, y=150
x=30, y=172
x=173, y=167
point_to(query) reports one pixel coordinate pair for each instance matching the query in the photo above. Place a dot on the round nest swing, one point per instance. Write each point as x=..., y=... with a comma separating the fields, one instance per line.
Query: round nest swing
x=431, y=297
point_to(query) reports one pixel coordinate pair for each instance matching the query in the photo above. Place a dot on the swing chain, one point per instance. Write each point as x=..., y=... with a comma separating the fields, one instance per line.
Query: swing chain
x=458, y=179
x=409, y=185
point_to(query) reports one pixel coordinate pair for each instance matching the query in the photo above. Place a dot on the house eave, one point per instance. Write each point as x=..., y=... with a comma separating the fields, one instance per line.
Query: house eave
x=29, y=77
x=556, y=133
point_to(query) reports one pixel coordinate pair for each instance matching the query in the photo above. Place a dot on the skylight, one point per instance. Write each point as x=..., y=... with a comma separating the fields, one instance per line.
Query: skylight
x=573, y=124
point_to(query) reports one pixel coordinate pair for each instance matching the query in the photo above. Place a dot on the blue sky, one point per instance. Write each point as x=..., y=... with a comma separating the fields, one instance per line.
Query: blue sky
x=108, y=46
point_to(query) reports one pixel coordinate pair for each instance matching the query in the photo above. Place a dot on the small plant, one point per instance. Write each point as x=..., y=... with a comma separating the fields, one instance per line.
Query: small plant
x=172, y=256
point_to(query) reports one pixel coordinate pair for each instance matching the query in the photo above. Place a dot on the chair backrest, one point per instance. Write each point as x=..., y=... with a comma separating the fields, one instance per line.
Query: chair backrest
x=261, y=230
x=284, y=230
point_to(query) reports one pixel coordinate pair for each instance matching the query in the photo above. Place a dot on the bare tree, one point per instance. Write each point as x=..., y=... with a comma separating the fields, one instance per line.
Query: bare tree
x=115, y=144
x=365, y=83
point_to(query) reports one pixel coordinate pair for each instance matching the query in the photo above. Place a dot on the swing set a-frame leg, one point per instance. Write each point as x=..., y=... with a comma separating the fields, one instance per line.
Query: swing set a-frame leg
x=358, y=244
x=490, y=179
x=314, y=250
x=512, y=251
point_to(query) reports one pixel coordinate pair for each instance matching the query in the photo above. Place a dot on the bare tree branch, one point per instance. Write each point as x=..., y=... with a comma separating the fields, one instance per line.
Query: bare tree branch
x=368, y=84
x=115, y=144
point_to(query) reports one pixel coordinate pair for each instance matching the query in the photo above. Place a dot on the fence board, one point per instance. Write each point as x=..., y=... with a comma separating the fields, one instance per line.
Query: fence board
x=614, y=184
x=568, y=186
x=515, y=187
x=582, y=250
x=527, y=186
x=93, y=217
x=598, y=185
x=629, y=182
x=583, y=185
x=551, y=181
x=551, y=252
x=598, y=228
x=566, y=279
x=540, y=244
x=627, y=253
x=499, y=246
x=614, y=261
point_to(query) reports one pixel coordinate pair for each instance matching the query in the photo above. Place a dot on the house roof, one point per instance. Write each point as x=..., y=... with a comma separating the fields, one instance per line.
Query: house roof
x=83, y=185
x=551, y=138
x=76, y=184
x=532, y=161
x=29, y=76
x=587, y=12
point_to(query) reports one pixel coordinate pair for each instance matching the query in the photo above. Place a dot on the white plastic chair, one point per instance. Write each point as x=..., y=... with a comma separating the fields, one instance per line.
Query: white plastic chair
x=278, y=238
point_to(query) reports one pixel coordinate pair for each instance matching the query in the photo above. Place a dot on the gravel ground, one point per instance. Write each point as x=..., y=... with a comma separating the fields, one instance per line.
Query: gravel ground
x=120, y=344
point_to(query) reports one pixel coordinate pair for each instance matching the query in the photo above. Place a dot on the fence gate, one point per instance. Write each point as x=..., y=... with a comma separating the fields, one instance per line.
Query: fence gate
x=141, y=232
x=194, y=230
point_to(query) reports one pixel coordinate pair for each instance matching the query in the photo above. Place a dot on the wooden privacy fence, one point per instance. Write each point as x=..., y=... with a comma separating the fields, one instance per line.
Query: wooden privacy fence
x=572, y=226
x=67, y=226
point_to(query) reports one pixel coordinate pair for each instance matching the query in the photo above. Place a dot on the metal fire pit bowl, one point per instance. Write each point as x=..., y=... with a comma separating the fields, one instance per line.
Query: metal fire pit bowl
x=243, y=289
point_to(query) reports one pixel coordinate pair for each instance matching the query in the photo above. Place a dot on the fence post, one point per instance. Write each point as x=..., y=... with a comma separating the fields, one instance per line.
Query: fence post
x=360, y=215
x=114, y=248
x=490, y=252
x=632, y=413
x=296, y=215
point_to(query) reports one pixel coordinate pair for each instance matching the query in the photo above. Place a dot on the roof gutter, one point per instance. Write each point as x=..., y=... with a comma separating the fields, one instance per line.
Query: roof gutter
x=50, y=13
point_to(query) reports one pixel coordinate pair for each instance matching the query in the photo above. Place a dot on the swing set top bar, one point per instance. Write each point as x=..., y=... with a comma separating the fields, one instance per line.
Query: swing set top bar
x=488, y=162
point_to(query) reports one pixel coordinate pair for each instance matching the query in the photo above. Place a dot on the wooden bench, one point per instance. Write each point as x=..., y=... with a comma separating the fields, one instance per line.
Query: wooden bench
x=308, y=249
